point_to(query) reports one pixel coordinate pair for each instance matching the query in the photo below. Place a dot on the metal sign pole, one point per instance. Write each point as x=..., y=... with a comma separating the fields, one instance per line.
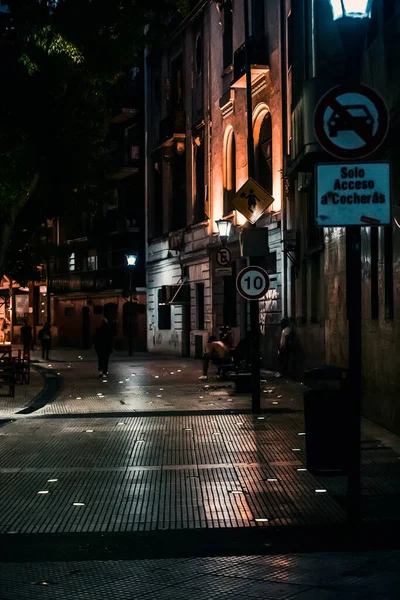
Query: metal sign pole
x=354, y=388
x=254, y=309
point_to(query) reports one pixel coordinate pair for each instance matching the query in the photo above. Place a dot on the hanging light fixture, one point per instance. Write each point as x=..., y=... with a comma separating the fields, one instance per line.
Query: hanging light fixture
x=131, y=259
x=224, y=229
x=351, y=8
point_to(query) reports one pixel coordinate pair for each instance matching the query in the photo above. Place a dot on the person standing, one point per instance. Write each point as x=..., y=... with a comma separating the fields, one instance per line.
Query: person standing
x=284, y=347
x=103, y=342
x=26, y=337
x=5, y=329
x=44, y=336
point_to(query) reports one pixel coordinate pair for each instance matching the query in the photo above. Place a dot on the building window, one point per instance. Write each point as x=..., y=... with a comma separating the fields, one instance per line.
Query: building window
x=315, y=287
x=164, y=313
x=229, y=299
x=199, y=55
x=199, y=159
x=200, y=305
x=263, y=150
x=157, y=194
x=92, y=263
x=178, y=168
x=374, y=274
x=227, y=36
x=71, y=262
x=229, y=172
x=388, y=256
x=304, y=289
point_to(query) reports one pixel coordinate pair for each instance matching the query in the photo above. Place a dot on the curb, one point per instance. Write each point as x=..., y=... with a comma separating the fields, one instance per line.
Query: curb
x=52, y=386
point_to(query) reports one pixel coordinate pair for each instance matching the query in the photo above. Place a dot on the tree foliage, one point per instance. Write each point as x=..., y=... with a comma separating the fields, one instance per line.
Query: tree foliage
x=61, y=64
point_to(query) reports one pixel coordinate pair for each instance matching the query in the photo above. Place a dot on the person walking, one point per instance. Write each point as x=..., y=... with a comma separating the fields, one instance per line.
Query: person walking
x=44, y=336
x=284, y=347
x=103, y=343
x=26, y=337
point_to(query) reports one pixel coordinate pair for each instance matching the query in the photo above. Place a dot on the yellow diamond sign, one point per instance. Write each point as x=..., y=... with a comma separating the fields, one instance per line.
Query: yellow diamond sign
x=252, y=200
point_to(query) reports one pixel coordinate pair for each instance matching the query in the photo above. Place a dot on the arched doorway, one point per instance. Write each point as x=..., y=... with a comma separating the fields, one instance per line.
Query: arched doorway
x=85, y=327
x=139, y=333
x=262, y=125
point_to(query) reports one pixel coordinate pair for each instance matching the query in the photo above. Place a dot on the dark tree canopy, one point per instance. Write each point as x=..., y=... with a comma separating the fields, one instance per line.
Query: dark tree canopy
x=61, y=65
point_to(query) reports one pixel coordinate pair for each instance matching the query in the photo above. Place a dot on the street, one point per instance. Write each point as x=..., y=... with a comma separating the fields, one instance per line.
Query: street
x=154, y=484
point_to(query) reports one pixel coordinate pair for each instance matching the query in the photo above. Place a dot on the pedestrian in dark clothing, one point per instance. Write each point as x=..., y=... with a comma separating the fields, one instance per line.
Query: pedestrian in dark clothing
x=103, y=343
x=26, y=337
x=44, y=336
x=285, y=347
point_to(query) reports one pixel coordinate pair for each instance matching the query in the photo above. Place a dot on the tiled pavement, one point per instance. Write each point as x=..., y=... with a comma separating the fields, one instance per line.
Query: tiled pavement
x=157, y=472
x=175, y=472
x=132, y=466
x=146, y=383
x=323, y=576
x=24, y=394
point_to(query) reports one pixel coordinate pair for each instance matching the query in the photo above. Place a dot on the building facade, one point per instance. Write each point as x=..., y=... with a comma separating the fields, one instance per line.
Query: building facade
x=196, y=152
x=89, y=279
x=327, y=48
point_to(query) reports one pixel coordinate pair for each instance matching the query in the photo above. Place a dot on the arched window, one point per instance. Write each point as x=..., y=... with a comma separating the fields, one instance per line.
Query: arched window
x=263, y=151
x=229, y=170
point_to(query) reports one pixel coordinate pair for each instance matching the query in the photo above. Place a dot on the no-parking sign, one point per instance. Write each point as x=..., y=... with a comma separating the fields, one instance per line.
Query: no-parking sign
x=252, y=283
x=351, y=121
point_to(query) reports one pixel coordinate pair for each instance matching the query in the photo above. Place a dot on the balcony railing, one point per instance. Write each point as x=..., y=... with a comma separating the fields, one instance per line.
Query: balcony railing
x=173, y=126
x=258, y=61
x=88, y=281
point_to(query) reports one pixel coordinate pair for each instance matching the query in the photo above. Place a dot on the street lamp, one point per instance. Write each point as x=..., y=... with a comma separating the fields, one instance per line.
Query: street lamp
x=224, y=230
x=131, y=260
x=351, y=8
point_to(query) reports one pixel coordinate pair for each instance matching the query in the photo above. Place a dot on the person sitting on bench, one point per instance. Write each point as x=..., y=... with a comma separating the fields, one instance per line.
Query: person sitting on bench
x=242, y=354
x=218, y=352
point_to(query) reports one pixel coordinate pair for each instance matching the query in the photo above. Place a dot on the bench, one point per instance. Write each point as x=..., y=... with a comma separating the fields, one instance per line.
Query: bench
x=7, y=376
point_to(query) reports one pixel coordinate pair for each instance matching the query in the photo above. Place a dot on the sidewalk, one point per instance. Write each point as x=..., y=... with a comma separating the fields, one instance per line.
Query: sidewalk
x=24, y=395
x=148, y=383
x=329, y=576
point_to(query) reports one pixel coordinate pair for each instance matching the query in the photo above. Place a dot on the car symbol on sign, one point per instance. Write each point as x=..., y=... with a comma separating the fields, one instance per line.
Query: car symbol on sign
x=359, y=112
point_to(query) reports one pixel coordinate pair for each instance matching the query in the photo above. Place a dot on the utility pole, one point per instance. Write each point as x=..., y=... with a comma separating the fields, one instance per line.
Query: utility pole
x=130, y=320
x=254, y=308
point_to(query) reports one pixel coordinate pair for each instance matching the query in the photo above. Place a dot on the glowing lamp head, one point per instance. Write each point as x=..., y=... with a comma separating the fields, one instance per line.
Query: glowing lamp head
x=224, y=229
x=351, y=8
x=131, y=259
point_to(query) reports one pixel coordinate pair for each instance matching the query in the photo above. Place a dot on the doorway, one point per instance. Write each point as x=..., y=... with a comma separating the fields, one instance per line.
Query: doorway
x=111, y=314
x=186, y=329
x=85, y=327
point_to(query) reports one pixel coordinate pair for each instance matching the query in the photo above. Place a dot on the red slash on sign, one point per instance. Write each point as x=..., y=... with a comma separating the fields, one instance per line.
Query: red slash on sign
x=351, y=121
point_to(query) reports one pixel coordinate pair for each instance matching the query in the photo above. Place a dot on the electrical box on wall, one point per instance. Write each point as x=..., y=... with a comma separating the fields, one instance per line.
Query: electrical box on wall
x=290, y=237
x=254, y=241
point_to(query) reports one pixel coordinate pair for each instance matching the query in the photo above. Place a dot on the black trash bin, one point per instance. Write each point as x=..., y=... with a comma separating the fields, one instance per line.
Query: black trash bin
x=326, y=420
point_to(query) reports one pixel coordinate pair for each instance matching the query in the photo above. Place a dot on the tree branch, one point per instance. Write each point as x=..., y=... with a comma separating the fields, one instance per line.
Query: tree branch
x=7, y=226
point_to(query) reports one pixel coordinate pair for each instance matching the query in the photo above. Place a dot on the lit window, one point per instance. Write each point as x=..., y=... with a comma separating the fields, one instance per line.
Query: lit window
x=71, y=262
x=92, y=263
x=229, y=170
x=351, y=8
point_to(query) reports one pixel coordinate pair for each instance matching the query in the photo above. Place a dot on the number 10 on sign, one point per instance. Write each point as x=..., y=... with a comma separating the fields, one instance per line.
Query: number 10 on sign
x=252, y=283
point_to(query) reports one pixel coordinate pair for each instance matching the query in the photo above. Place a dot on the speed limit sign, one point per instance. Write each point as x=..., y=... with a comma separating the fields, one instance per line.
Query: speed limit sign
x=252, y=283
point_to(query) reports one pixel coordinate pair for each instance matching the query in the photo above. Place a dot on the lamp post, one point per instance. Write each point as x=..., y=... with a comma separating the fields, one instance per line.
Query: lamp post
x=254, y=308
x=351, y=17
x=131, y=260
x=224, y=230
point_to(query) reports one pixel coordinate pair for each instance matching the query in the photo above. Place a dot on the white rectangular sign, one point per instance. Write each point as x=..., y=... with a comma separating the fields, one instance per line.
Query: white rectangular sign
x=223, y=271
x=352, y=194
